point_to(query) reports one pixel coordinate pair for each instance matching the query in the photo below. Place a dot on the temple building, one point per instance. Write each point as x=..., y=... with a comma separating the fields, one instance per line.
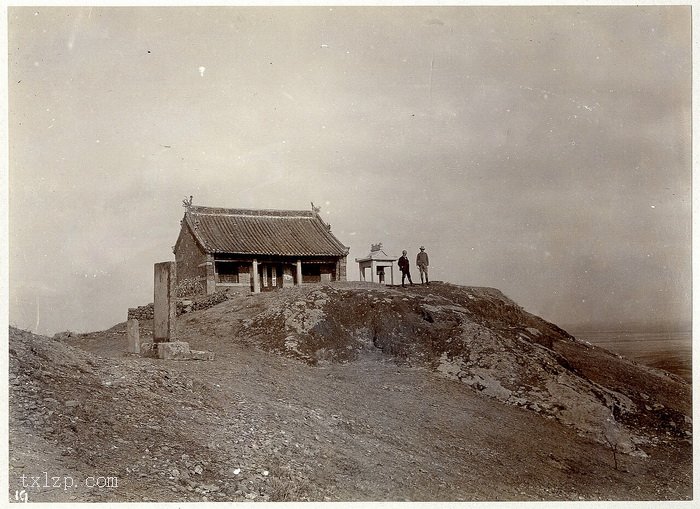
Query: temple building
x=261, y=249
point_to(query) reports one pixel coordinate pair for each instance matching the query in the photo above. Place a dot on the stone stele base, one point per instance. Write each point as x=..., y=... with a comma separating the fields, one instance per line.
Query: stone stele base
x=180, y=351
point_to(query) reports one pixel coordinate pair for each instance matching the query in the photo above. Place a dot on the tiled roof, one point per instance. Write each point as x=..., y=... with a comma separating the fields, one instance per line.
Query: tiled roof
x=264, y=232
x=378, y=255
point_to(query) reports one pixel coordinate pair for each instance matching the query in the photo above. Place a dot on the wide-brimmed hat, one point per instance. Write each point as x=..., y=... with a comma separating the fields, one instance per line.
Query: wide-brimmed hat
x=422, y=248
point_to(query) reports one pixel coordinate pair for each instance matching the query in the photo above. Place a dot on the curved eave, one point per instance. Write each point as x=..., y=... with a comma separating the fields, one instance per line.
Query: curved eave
x=251, y=253
x=333, y=239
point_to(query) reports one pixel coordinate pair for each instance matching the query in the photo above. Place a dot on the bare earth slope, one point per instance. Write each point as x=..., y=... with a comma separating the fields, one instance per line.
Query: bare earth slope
x=349, y=392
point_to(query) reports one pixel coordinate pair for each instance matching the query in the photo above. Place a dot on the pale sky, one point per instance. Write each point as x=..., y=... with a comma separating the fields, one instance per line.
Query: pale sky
x=543, y=151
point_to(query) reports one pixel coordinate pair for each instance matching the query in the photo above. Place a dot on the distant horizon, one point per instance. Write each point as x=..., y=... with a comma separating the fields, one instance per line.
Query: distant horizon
x=581, y=327
x=628, y=327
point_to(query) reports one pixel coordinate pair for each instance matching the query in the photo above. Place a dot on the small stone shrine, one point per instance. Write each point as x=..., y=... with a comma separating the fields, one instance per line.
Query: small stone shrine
x=377, y=261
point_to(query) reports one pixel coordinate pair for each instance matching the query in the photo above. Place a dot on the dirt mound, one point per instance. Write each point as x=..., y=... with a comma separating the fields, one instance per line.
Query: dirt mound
x=372, y=393
x=483, y=339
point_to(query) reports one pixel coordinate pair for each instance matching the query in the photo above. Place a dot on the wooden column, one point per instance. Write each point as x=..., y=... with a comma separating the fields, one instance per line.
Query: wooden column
x=256, y=278
x=210, y=269
x=299, y=281
x=287, y=277
x=392, y=273
x=374, y=269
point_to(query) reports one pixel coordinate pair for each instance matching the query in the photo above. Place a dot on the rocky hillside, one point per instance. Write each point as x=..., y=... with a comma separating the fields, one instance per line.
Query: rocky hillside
x=484, y=340
x=353, y=391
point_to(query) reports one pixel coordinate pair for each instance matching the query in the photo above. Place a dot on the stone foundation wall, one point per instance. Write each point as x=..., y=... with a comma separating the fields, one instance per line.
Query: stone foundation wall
x=141, y=312
x=191, y=286
x=182, y=306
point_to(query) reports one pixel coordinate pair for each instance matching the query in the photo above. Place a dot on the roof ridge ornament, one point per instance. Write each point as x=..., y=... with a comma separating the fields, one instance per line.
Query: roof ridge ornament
x=376, y=247
x=187, y=203
x=315, y=209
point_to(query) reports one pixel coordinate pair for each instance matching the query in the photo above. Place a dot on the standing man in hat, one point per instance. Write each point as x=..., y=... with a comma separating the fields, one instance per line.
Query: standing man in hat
x=404, y=265
x=422, y=262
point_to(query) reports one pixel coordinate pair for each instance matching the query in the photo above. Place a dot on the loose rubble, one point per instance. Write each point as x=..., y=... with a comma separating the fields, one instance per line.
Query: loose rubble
x=349, y=392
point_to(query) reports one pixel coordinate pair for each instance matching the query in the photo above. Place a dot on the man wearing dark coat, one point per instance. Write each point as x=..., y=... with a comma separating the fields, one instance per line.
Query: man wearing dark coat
x=405, y=267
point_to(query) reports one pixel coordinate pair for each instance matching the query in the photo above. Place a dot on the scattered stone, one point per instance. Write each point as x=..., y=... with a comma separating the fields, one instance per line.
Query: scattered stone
x=639, y=453
x=72, y=403
x=202, y=355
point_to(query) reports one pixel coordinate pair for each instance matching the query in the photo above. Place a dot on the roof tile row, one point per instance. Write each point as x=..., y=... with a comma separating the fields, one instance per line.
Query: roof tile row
x=265, y=232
